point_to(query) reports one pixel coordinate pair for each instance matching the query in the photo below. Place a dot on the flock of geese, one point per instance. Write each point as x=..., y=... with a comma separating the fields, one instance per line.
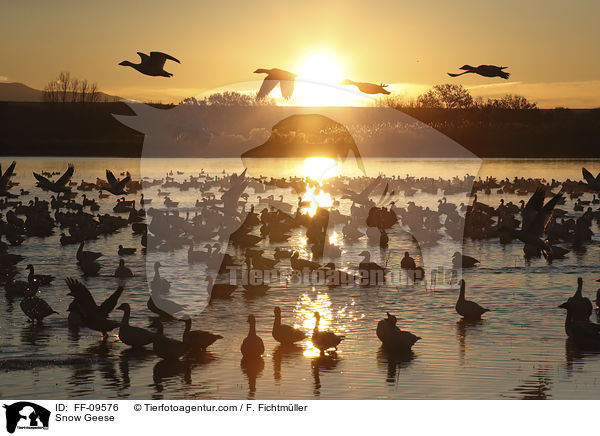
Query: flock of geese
x=229, y=219
x=153, y=65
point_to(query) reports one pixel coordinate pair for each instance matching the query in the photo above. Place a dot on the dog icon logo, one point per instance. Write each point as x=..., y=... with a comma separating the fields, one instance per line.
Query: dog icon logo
x=26, y=415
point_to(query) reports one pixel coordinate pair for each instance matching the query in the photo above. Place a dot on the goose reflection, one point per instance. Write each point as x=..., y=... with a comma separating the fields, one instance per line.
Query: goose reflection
x=35, y=334
x=132, y=357
x=285, y=353
x=575, y=356
x=325, y=363
x=168, y=369
x=537, y=387
x=252, y=367
x=394, y=361
x=463, y=327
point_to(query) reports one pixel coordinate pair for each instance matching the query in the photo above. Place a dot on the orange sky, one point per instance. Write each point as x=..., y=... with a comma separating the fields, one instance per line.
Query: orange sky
x=550, y=46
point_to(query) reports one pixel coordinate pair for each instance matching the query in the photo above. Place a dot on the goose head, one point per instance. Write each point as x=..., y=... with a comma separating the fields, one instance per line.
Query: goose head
x=579, y=286
x=347, y=82
x=467, y=67
x=125, y=307
x=391, y=319
x=127, y=64
x=365, y=254
x=462, y=289
x=277, y=312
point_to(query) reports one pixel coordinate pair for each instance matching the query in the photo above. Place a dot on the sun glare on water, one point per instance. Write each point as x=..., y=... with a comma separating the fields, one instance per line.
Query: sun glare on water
x=318, y=169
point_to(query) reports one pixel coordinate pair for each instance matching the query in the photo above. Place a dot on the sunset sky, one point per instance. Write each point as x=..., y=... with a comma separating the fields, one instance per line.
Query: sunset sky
x=551, y=47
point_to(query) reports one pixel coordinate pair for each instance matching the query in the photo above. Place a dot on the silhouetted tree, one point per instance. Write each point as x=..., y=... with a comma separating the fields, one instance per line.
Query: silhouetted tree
x=446, y=96
x=68, y=89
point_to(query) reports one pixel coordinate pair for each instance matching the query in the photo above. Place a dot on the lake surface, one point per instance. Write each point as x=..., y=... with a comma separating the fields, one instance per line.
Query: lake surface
x=519, y=350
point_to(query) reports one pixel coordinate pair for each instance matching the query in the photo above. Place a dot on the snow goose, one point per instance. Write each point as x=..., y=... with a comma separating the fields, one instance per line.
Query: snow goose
x=130, y=335
x=152, y=65
x=323, y=341
x=252, y=346
x=468, y=309
x=285, y=334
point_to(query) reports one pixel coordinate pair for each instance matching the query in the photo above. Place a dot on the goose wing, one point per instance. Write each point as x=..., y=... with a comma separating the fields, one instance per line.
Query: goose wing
x=82, y=294
x=267, y=86
x=143, y=57
x=66, y=176
x=111, y=302
x=370, y=187
x=110, y=178
x=287, y=88
x=532, y=209
x=589, y=178
x=548, y=208
x=40, y=178
x=159, y=58
x=7, y=175
x=123, y=182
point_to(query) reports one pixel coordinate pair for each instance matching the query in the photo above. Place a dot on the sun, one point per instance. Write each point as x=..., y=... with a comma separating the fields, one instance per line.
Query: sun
x=321, y=67
x=318, y=83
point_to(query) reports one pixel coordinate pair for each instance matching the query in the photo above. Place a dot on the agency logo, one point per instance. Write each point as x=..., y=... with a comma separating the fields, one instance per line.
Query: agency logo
x=27, y=416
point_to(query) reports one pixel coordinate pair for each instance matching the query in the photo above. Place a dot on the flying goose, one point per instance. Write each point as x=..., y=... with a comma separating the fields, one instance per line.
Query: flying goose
x=275, y=76
x=324, y=340
x=116, y=187
x=367, y=88
x=483, y=70
x=468, y=309
x=130, y=335
x=60, y=185
x=152, y=65
x=285, y=334
x=4, y=179
x=252, y=345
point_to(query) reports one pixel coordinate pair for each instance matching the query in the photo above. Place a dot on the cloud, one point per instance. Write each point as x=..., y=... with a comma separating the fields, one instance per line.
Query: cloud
x=3, y=79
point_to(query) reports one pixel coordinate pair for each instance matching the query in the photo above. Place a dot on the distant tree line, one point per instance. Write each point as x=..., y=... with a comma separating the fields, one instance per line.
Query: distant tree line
x=450, y=96
x=228, y=98
x=68, y=89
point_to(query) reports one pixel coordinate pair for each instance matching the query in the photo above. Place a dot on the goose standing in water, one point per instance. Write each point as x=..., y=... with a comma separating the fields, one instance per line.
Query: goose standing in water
x=285, y=334
x=367, y=88
x=367, y=269
x=585, y=334
x=164, y=347
x=38, y=279
x=483, y=70
x=468, y=309
x=4, y=179
x=275, y=76
x=580, y=307
x=122, y=272
x=461, y=261
x=116, y=187
x=60, y=185
x=152, y=65
x=392, y=338
x=158, y=284
x=323, y=341
x=86, y=256
x=126, y=251
x=198, y=340
x=133, y=336
x=252, y=346
x=34, y=307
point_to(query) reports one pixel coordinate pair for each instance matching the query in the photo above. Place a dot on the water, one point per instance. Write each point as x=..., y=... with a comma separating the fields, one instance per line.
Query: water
x=519, y=350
